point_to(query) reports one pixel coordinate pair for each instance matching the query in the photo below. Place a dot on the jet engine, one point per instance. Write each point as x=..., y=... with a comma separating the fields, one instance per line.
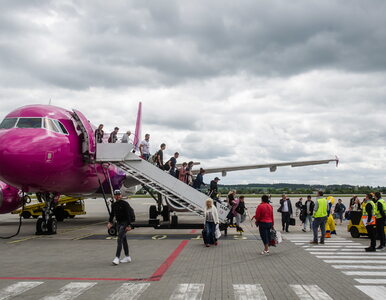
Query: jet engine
x=10, y=198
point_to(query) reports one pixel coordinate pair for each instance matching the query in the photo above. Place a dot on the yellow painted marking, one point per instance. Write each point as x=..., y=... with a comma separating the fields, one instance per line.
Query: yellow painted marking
x=197, y=238
x=25, y=239
x=159, y=237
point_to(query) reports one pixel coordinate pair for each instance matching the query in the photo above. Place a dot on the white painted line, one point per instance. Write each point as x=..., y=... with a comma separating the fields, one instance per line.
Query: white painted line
x=249, y=292
x=299, y=244
x=327, y=242
x=371, y=281
x=336, y=250
x=310, y=292
x=129, y=291
x=17, y=289
x=374, y=292
x=352, y=257
x=189, y=291
x=355, y=267
x=338, y=246
x=362, y=273
x=350, y=253
x=71, y=291
x=347, y=261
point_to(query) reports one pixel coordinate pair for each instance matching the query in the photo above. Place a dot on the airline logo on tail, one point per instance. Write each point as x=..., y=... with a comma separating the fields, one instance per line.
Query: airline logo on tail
x=137, y=134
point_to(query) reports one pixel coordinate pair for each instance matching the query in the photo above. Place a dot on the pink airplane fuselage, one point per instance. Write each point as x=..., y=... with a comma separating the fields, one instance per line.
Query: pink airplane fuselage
x=41, y=160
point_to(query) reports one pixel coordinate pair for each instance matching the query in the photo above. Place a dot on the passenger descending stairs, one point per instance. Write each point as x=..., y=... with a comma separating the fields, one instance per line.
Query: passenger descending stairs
x=170, y=187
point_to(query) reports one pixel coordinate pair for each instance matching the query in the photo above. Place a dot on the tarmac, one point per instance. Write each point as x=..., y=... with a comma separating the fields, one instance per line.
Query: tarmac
x=174, y=264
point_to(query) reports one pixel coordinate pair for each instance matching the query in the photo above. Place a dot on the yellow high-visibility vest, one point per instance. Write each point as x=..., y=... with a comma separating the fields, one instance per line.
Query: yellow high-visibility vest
x=322, y=208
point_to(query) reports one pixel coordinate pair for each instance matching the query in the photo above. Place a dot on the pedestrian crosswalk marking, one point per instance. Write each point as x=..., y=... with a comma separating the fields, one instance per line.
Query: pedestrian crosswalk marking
x=354, y=257
x=129, y=291
x=188, y=291
x=383, y=255
x=374, y=292
x=335, y=250
x=249, y=292
x=71, y=291
x=310, y=292
x=352, y=267
x=371, y=281
x=17, y=289
x=364, y=273
x=357, y=261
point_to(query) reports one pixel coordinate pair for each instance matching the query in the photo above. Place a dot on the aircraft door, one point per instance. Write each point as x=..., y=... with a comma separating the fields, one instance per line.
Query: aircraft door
x=87, y=135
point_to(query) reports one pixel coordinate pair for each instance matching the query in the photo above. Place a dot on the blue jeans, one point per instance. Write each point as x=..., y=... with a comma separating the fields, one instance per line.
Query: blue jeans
x=265, y=232
x=307, y=221
x=210, y=228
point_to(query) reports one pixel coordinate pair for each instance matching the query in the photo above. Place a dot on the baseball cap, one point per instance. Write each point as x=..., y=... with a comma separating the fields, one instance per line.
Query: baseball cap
x=216, y=178
x=117, y=192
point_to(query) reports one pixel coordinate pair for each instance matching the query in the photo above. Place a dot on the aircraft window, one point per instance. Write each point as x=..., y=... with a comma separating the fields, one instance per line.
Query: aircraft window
x=8, y=123
x=60, y=126
x=48, y=124
x=29, y=123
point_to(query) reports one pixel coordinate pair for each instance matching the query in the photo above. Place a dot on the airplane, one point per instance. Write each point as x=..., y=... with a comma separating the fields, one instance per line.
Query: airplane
x=50, y=151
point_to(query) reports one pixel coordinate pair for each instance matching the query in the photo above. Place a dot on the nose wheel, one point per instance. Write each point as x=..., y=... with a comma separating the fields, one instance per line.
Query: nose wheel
x=47, y=224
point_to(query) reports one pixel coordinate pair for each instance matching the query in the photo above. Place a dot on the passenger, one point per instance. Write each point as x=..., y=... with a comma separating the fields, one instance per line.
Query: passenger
x=124, y=216
x=172, y=163
x=339, y=210
x=320, y=218
x=113, y=136
x=286, y=212
x=298, y=205
x=126, y=137
x=199, y=181
x=99, y=134
x=265, y=222
x=213, y=189
x=189, y=173
x=308, y=210
x=380, y=216
x=356, y=205
x=160, y=156
x=231, y=200
x=144, y=147
x=239, y=211
x=182, y=172
x=368, y=218
x=211, y=219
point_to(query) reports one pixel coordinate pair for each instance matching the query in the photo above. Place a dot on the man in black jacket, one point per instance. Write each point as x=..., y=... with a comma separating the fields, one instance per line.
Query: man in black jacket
x=307, y=212
x=380, y=227
x=286, y=212
x=124, y=216
x=213, y=189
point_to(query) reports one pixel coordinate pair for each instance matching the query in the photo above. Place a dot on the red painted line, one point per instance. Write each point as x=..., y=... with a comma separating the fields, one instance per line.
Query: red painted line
x=194, y=231
x=157, y=275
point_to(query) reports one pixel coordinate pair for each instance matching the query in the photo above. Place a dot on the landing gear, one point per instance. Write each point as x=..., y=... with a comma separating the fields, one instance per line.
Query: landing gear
x=47, y=224
x=165, y=213
x=153, y=212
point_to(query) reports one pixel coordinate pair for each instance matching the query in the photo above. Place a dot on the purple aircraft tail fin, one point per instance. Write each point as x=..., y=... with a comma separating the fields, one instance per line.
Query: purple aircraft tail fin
x=137, y=134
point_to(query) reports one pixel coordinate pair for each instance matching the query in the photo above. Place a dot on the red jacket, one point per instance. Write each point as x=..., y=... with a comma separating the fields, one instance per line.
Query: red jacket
x=264, y=213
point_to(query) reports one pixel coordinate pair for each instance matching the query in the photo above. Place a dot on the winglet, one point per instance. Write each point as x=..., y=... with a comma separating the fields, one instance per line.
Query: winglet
x=138, y=123
x=337, y=160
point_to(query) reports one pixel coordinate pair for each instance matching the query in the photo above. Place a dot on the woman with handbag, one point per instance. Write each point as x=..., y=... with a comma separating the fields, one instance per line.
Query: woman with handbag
x=210, y=221
x=264, y=220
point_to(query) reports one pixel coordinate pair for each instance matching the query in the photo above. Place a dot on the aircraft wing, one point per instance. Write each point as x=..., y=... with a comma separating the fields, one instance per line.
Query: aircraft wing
x=272, y=166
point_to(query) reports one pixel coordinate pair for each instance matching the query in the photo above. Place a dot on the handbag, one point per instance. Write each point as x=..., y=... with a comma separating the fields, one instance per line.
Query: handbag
x=272, y=237
x=292, y=222
x=217, y=233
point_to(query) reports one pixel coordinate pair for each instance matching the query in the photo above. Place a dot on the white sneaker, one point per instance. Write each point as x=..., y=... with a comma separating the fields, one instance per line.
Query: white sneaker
x=126, y=259
x=116, y=261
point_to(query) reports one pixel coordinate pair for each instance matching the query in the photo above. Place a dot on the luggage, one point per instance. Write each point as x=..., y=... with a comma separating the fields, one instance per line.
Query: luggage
x=292, y=222
x=217, y=233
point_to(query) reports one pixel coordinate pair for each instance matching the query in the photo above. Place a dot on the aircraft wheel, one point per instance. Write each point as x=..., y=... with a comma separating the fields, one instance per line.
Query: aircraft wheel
x=59, y=214
x=35, y=217
x=174, y=222
x=71, y=216
x=166, y=213
x=113, y=230
x=52, y=226
x=153, y=212
x=40, y=227
x=26, y=214
x=354, y=232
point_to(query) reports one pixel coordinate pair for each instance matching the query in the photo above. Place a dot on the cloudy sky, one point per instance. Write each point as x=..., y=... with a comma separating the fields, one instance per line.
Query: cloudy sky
x=222, y=82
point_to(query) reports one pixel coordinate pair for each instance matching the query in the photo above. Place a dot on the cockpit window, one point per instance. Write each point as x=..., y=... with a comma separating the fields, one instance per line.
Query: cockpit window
x=29, y=123
x=60, y=126
x=49, y=124
x=8, y=123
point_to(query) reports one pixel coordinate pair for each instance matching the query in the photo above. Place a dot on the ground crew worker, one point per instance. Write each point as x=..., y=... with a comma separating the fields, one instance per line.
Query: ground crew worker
x=320, y=218
x=368, y=217
x=124, y=216
x=380, y=216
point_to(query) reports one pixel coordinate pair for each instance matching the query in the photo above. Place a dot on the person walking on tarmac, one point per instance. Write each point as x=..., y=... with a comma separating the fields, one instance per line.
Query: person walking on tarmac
x=320, y=218
x=124, y=216
x=368, y=217
x=286, y=212
x=210, y=221
x=380, y=216
x=264, y=220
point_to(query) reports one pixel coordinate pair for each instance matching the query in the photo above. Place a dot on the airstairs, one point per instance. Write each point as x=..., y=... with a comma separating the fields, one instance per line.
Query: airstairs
x=176, y=191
